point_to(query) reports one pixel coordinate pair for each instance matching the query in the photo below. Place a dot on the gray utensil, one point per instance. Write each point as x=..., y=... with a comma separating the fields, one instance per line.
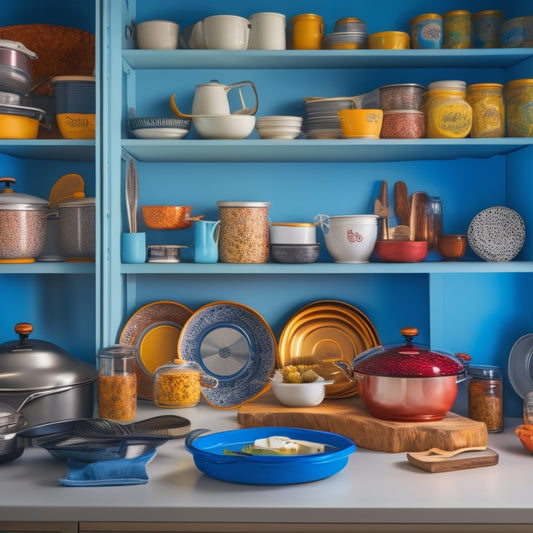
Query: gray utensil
x=132, y=186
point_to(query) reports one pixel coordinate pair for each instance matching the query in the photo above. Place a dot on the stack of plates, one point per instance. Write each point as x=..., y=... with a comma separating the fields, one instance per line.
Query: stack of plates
x=345, y=40
x=322, y=116
x=279, y=127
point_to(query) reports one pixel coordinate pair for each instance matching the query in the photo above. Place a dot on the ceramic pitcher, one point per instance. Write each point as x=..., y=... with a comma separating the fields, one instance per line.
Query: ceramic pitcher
x=206, y=241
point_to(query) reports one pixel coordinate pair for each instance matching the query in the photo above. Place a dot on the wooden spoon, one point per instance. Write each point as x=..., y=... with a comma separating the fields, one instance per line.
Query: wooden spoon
x=401, y=203
x=451, y=453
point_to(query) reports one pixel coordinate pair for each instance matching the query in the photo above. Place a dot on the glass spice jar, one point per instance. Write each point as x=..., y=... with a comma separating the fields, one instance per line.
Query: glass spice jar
x=518, y=104
x=448, y=114
x=485, y=396
x=457, y=29
x=117, y=382
x=488, y=113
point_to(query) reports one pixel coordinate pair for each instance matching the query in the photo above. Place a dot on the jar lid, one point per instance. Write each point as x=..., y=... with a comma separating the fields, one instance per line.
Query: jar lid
x=403, y=112
x=403, y=85
x=484, y=86
x=179, y=365
x=462, y=12
x=31, y=365
x=77, y=200
x=485, y=372
x=488, y=13
x=408, y=360
x=243, y=204
x=119, y=351
x=514, y=83
x=426, y=16
x=447, y=85
x=293, y=224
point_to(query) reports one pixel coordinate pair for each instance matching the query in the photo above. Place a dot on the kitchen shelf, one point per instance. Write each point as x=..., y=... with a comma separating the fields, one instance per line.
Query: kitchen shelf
x=424, y=267
x=45, y=267
x=50, y=149
x=313, y=150
x=320, y=59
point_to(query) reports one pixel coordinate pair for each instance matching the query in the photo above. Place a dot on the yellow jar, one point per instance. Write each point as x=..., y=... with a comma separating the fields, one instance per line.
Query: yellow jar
x=488, y=113
x=307, y=31
x=426, y=31
x=519, y=107
x=448, y=114
x=457, y=29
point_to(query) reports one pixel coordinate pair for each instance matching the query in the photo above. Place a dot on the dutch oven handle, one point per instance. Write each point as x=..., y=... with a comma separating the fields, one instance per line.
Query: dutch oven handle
x=36, y=395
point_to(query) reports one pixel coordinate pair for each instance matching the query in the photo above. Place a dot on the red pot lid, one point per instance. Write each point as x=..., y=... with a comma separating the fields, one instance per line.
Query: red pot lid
x=408, y=360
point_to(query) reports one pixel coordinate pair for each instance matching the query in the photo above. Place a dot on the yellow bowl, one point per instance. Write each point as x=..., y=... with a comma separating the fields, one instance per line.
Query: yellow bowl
x=389, y=40
x=18, y=127
x=345, y=46
x=77, y=125
x=361, y=123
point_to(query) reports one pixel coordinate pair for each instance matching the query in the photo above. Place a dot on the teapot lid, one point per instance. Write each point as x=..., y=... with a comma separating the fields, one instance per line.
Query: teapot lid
x=179, y=365
x=408, y=360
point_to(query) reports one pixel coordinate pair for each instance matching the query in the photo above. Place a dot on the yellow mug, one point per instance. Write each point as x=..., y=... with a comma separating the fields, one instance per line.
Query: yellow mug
x=361, y=123
x=307, y=31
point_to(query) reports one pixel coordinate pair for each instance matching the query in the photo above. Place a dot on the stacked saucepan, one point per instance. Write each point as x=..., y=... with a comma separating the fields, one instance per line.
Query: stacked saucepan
x=23, y=225
x=17, y=121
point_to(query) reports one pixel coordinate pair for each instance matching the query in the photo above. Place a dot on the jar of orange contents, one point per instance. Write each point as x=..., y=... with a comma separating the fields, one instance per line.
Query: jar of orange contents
x=117, y=382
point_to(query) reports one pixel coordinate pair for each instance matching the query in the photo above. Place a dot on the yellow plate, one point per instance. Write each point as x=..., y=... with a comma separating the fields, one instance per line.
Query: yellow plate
x=154, y=330
x=327, y=331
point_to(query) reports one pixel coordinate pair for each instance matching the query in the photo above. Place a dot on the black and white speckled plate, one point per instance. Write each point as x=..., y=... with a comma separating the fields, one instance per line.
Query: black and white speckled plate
x=497, y=234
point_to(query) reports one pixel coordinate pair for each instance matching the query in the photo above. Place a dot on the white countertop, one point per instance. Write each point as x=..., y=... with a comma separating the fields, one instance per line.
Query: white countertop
x=375, y=487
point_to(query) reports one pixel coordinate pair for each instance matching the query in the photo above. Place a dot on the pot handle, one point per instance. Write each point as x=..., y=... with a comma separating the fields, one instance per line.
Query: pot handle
x=192, y=436
x=36, y=395
x=323, y=222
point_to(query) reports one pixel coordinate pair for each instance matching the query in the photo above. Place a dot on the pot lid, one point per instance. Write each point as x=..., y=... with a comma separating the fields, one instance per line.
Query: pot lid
x=9, y=199
x=408, y=360
x=78, y=199
x=23, y=111
x=17, y=46
x=30, y=365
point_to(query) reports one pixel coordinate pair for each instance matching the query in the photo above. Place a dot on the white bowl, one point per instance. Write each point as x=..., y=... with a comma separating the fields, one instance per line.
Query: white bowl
x=300, y=394
x=349, y=238
x=157, y=35
x=224, y=126
x=292, y=233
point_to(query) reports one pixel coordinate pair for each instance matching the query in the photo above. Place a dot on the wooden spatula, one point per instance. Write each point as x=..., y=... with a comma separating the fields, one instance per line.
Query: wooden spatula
x=401, y=203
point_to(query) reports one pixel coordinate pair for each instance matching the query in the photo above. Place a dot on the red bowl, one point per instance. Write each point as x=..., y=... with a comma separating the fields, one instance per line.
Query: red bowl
x=401, y=251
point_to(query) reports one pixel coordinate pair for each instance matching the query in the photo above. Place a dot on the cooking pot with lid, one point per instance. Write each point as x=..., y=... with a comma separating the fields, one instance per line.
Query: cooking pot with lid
x=44, y=381
x=408, y=382
x=22, y=224
x=15, y=72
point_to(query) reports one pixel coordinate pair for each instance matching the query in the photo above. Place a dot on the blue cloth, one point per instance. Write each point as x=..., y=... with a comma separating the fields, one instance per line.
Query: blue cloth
x=115, y=472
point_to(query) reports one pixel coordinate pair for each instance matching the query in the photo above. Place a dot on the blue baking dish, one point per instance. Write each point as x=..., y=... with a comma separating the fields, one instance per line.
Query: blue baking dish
x=209, y=456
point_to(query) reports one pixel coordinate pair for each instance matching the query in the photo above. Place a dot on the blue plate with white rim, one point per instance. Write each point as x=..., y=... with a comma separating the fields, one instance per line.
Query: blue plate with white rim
x=234, y=344
x=211, y=458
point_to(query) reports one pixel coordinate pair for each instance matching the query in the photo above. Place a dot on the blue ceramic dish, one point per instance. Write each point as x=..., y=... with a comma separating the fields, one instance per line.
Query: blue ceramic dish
x=209, y=456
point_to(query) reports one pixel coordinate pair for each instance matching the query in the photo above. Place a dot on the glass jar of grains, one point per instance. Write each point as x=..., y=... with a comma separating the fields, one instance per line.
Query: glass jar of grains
x=179, y=384
x=117, y=382
x=488, y=114
x=448, y=114
x=485, y=396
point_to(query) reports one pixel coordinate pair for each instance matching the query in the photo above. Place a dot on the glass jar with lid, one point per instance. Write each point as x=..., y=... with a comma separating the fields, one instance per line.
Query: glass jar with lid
x=485, y=396
x=179, y=384
x=518, y=103
x=117, y=382
x=488, y=113
x=448, y=114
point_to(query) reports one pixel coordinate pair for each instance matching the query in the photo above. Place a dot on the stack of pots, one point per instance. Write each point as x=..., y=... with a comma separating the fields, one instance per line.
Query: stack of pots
x=17, y=121
x=403, y=117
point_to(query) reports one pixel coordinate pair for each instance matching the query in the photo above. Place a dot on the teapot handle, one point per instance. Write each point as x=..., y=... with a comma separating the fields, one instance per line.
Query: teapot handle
x=240, y=84
x=174, y=108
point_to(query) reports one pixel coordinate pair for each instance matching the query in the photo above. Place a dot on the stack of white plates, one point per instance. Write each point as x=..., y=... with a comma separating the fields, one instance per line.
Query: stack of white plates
x=279, y=127
x=322, y=116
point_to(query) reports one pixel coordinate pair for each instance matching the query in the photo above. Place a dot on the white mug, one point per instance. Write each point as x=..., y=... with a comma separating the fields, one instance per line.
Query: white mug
x=268, y=31
x=226, y=32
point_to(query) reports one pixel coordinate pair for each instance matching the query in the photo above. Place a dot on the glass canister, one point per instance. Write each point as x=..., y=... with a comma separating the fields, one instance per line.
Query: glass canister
x=243, y=236
x=427, y=31
x=518, y=96
x=488, y=112
x=486, y=28
x=434, y=221
x=448, y=114
x=485, y=396
x=179, y=384
x=117, y=382
x=457, y=29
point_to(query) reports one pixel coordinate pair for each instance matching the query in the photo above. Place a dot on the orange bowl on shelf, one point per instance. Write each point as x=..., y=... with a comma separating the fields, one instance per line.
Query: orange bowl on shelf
x=168, y=216
x=361, y=123
x=389, y=40
x=451, y=246
x=401, y=251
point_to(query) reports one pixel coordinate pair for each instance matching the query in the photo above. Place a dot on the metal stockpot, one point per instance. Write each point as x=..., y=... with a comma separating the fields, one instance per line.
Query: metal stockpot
x=43, y=381
x=22, y=224
x=77, y=231
x=15, y=72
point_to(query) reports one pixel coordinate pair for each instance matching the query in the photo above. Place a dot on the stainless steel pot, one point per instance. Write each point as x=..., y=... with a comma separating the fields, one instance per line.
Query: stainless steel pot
x=43, y=381
x=22, y=224
x=77, y=231
x=15, y=72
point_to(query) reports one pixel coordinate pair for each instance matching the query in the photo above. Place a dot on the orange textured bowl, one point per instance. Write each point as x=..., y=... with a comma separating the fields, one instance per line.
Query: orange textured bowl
x=451, y=246
x=361, y=123
x=401, y=251
x=168, y=216
x=389, y=40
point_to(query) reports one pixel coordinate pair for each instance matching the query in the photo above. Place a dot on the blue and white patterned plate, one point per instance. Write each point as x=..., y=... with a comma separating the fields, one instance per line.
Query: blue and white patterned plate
x=234, y=344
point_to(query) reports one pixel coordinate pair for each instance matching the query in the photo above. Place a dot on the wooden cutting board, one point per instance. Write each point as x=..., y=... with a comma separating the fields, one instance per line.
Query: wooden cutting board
x=350, y=417
x=434, y=463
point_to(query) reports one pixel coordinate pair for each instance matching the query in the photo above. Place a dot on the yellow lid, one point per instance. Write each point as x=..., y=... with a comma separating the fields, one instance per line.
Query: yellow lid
x=514, y=83
x=426, y=16
x=488, y=13
x=457, y=12
x=484, y=86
